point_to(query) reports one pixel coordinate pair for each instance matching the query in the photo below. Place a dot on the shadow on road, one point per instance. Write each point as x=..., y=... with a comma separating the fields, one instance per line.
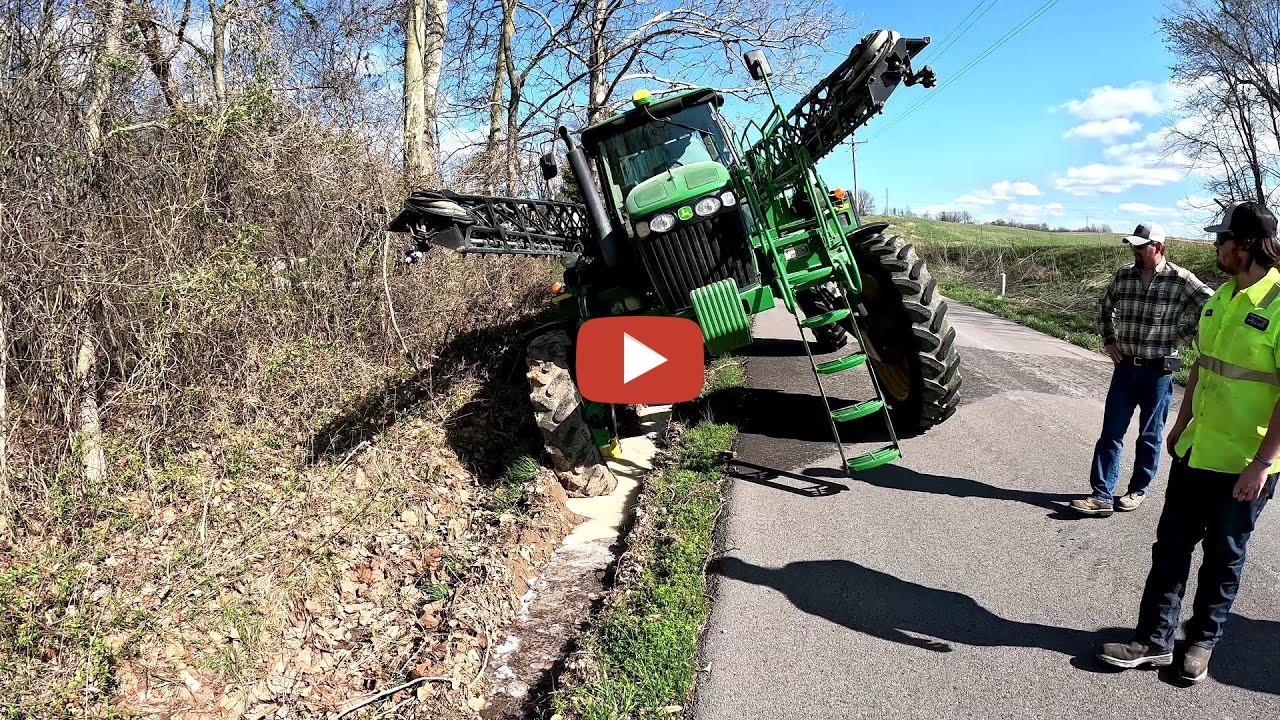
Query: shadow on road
x=1249, y=655
x=895, y=477
x=773, y=478
x=883, y=606
x=785, y=416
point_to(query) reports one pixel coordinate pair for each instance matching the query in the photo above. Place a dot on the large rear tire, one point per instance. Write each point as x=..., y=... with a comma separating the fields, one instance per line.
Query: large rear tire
x=911, y=341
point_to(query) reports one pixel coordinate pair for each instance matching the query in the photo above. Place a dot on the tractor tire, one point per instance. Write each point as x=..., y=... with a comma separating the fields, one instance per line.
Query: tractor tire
x=911, y=344
x=557, y=410
x=816, y=301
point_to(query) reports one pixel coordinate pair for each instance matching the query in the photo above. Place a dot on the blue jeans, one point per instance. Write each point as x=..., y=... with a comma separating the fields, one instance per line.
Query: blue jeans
x=1198, y=507
x=1150, y=391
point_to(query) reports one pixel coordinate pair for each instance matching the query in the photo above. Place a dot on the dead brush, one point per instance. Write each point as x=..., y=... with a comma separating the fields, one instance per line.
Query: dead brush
x=229, y=326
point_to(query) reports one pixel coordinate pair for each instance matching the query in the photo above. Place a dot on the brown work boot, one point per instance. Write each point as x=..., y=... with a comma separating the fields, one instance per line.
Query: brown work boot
x=1092, y=506
x=1195, y=663
x=1130, y=501
x=1134, y=654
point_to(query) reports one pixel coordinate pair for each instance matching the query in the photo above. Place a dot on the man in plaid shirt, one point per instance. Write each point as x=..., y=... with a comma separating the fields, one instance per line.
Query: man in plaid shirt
x=1149, y=309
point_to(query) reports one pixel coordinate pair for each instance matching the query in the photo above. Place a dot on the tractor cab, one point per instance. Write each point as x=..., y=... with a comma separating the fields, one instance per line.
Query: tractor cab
x=661, y=154
x=665, y=173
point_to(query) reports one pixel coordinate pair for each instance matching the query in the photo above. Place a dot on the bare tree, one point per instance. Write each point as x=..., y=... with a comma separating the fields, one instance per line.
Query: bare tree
x=415, y=100
x=153, y=45
x=633, y=40
x=433, y=42
x=1228, y=56
x=864, y=203
x=6, y=494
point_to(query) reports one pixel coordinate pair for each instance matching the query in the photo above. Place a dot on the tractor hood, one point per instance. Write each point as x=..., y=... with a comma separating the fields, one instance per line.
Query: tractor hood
x=675, y=186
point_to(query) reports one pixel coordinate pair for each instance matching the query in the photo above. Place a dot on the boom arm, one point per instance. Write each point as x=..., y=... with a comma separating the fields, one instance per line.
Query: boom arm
x=483, y=224
x=843, y=101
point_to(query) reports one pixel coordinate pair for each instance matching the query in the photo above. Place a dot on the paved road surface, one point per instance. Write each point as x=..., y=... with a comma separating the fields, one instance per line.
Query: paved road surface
x=951, y=585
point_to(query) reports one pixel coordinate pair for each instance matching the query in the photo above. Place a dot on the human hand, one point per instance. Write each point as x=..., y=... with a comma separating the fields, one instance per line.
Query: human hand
x=1175, y=433
x=1113, y=349
x=1251, y=482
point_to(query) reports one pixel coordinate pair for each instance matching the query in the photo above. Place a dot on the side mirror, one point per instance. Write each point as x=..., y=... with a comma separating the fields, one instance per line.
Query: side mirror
x=548, y=164
x=758, y=65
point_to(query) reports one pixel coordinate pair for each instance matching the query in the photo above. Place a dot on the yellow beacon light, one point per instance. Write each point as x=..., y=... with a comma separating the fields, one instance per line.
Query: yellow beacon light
x=641, y=97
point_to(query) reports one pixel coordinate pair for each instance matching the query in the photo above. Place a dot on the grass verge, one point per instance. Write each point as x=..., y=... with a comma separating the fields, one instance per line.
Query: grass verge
x=1054, y=280
x=641, y=656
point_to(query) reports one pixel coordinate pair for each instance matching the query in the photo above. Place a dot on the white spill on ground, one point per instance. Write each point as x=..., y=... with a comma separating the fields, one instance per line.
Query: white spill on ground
x=560, y=598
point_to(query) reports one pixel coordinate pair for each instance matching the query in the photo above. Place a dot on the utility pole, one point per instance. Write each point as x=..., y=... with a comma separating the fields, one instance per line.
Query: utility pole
x=853, y=154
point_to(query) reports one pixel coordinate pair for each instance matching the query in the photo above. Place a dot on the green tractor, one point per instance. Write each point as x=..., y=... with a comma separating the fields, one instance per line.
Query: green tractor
x=693, y=220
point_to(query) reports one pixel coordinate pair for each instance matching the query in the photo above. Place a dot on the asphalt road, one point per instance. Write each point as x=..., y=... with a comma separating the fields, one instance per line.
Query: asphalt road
x=952, y=584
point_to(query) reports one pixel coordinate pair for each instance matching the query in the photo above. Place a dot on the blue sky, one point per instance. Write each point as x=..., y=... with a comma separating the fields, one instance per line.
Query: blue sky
x=1060, y=124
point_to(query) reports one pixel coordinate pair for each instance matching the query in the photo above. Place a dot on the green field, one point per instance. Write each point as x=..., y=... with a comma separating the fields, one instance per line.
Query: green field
x=1053, y=280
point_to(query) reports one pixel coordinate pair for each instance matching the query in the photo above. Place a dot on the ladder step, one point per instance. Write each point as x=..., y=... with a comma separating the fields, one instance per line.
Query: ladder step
x=786, y=240
x=804, y=224
x=844, y=363
x=873, y=459
x=808, y=278
x=853, y=412
x=830, y=318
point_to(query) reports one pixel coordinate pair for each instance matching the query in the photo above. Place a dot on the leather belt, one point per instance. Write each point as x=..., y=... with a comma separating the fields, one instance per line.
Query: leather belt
x=1150, y=363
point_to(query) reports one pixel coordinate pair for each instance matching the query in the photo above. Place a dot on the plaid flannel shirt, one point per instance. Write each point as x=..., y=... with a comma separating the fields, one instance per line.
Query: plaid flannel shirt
x=1152, y=321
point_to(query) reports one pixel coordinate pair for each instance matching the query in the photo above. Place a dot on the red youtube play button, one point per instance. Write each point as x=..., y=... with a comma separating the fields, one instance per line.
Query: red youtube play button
x=645, y=360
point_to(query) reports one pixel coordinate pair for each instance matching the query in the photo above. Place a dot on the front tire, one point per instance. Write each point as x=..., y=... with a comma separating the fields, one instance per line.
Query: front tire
x=558, y=412
x=911, y=343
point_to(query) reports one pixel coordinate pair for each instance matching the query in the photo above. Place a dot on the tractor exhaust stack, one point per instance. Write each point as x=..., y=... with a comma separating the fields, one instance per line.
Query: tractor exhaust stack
x=596, y=215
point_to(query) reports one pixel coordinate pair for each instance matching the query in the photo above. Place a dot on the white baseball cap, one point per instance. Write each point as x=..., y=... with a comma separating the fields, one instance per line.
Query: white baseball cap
x=1145, y=233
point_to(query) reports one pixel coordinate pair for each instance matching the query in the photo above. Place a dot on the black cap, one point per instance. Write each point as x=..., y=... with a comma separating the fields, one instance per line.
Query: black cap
x=1247, y=221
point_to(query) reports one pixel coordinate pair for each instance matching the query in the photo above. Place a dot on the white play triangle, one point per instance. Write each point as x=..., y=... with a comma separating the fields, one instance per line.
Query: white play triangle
x=637, y=358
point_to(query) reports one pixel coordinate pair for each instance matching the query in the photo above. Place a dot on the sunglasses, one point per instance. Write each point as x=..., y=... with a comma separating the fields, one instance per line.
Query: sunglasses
x=1223, y=239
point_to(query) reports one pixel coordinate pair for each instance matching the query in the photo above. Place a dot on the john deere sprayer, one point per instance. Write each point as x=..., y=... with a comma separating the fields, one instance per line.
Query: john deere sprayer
x=692, y=219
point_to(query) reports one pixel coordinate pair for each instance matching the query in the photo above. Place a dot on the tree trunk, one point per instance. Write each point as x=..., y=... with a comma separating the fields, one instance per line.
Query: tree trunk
x=84, y=367
x=161, y=64
x=218, y=17
x=437, y=23
x=100, y=82
x=598, y=89
x=513, y=132
x=493, y=152
x=414, y=101
x=6, y=494
x=85, y=376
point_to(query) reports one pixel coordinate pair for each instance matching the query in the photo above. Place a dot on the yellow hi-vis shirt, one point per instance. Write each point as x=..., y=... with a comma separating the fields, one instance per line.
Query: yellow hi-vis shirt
x=1239, y=382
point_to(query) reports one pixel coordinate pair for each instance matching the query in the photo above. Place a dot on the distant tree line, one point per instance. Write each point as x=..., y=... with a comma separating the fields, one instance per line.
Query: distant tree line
x=966, y=218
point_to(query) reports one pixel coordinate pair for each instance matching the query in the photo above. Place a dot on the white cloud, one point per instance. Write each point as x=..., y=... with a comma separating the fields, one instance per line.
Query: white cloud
x=998, y=192
x=1099, y=178
x=1137, y=208
x=1105, y=130
x=1033, y=211
x=1139, y=98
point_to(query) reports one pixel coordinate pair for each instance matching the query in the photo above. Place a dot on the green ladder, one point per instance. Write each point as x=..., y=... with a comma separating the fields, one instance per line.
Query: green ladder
x=784, y=169
x=828, y=268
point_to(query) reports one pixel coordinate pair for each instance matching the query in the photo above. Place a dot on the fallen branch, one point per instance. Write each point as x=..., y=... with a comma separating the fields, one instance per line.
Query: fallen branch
x=388, y=693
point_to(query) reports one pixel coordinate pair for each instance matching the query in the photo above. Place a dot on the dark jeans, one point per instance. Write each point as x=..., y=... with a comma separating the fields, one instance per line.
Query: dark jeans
x=1198, y=507
x=1132, y=387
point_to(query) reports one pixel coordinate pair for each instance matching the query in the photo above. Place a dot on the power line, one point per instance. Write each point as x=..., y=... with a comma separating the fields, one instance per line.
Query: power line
x=944, y=45
x=1048, y=5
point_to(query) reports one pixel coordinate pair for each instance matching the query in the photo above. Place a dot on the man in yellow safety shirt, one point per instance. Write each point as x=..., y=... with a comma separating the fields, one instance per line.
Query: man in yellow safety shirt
x=1225, y=444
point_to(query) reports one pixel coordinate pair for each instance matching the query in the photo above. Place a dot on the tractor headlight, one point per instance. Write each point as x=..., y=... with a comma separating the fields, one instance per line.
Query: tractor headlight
x=728, y=199
x=662, y=222
x=707, y=206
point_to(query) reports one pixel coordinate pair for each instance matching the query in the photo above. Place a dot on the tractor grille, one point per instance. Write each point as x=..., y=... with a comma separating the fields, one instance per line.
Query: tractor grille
x=699, y=254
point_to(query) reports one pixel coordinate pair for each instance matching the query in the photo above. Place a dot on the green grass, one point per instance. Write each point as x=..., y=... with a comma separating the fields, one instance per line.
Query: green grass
x=722, y=374
x=1054, y=280
x=646, y=643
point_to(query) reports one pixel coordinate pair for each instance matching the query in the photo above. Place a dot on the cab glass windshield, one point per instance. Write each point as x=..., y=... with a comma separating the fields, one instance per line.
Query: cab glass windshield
x=633, y=156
